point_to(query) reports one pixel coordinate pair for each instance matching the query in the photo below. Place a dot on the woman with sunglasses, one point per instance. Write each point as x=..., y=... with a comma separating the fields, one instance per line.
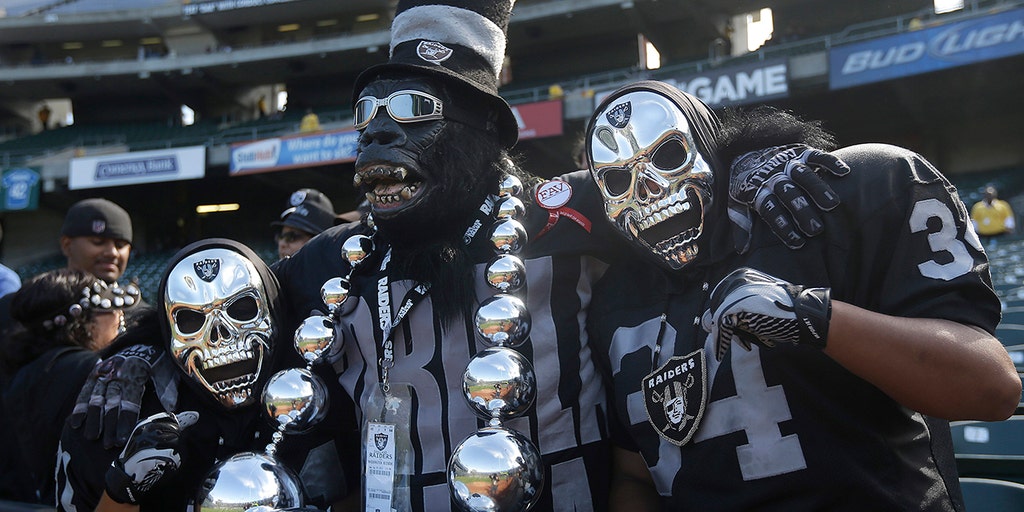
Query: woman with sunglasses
x=67, y=317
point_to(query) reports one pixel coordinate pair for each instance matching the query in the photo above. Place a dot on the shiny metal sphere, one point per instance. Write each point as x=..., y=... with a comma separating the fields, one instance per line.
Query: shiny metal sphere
x=499, y=383
x=510, y=186
x=314, y=338
x=508, y=236
x=248, y=480
x=295, y=398
x=505, y=273
x=356, y=249
x=510, y=208
x=495, y=469
x=503, y=320
x=334, y=292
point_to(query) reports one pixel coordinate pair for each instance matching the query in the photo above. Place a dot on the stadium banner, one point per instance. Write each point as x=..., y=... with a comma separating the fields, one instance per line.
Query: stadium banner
x=20, y=189
x=734, y=85
x=138, y=167
x=930, y=49
x=539, y=119
x=295, y=151
x=191, y=8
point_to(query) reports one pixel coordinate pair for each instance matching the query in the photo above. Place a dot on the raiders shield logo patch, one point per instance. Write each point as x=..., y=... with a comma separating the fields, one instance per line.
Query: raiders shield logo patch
x=207, y=269
x=432, y=51
x=620, y=114
x=380, y=440
x=675, y=395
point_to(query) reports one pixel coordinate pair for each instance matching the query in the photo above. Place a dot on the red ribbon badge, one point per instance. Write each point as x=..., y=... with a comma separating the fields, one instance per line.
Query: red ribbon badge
x=553, y=196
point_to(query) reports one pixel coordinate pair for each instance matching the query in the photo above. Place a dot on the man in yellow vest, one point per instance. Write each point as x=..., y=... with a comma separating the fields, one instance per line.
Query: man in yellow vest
x=992, y=217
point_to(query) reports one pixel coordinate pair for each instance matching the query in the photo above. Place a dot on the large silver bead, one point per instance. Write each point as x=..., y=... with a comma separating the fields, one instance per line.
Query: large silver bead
x=499, y=383
x=503, y=320
x=495, y=469
x=510, y=208
x=314, y=338
x=356, y=249
x=334, y=292
x=508, y=236
x=295, y=398
x=505, y=273
x=248, y=480
x=510, y=186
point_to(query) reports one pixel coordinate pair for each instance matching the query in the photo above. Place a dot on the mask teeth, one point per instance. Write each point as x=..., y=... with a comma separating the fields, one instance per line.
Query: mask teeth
x=664, y=209
x=238, y=351
x=234, y=384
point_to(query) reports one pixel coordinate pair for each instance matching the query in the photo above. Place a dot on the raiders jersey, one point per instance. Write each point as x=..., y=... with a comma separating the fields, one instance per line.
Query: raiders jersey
x=567, y=422
x=788, y=428
x=320, y=460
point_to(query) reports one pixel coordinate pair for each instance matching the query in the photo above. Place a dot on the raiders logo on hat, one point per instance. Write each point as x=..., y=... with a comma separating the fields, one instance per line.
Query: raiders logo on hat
x=675, y=396
x=432, y=51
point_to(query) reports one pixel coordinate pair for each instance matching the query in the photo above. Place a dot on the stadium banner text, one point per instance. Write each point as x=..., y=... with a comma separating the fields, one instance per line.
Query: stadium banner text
x=930, y=49
x=734, y=85
x=536, y=120
x=138, y=167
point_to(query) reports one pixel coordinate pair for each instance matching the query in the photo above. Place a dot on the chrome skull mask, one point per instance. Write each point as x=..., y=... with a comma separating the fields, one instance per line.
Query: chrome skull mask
x=656, y=185
x=221, y=328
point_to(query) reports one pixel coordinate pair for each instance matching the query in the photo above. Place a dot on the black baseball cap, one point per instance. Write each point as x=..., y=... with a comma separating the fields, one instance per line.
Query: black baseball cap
x=97, y=217
x=309, y=210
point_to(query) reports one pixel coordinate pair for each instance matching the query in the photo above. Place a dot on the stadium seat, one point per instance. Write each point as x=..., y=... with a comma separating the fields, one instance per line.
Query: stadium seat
x=987, y=494
x=990, y=449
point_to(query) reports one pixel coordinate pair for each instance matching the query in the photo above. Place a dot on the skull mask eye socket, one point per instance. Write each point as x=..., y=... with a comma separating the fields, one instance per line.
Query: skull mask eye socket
x=244, y=309
x=189, y=322
x=617, y=181
x=671, y=154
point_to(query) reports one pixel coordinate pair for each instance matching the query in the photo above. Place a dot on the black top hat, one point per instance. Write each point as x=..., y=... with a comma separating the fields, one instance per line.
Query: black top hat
x=458, y=41
x=97, y=217
x=309, y=210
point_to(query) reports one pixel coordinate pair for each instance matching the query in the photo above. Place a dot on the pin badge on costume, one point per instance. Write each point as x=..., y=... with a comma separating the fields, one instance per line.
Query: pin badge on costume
x=553, y=194
x=675, y=395
x=207, y=269
x=432, y=51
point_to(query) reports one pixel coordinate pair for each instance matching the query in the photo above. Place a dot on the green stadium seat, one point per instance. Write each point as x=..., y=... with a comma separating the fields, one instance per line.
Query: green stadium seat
x=990, y=495
x=990, y=449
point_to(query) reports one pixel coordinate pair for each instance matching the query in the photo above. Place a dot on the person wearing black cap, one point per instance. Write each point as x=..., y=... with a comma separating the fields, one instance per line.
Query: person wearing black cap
x=97, y=237
x=308, y=214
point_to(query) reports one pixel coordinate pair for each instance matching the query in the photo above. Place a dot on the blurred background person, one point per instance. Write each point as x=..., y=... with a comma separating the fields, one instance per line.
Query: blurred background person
x=65, y=317
x=308, y=213
x=97, y=237
x=310, y=122
x=10, y=281
x=992, y=217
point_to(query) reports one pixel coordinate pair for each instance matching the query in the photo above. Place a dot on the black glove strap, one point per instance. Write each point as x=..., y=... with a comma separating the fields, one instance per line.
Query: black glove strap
x=813, y=309
x=120, y=487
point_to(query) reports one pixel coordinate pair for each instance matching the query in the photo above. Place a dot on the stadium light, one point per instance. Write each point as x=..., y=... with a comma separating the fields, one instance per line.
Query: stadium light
x=944, y=6
x=215, y=208
x=288, y=27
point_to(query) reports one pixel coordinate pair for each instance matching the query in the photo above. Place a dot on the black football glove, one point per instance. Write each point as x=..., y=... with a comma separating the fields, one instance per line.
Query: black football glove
x=108, y=404
x=749, y=306
x=780, y=184
x=150, y=456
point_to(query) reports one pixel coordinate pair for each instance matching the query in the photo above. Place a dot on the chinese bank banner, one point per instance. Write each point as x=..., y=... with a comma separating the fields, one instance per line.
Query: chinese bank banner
x=137, y=167
x=930, y=49
x=20, y=189
x=306, y=150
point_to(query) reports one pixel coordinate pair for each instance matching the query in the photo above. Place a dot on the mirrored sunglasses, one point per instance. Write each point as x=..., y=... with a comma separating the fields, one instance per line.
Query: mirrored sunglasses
x=403, y=106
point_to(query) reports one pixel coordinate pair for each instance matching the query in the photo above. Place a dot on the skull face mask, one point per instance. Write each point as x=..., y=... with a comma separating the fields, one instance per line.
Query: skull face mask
x=656, y=185
x=221, y=329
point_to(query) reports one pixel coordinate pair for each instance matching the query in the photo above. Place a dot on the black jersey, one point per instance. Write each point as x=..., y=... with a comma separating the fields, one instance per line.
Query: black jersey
x=788, y=428
x=322, y=458
x=567, y=421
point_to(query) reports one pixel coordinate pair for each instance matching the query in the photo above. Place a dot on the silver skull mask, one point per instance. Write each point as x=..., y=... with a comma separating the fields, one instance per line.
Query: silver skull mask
x=656, y=185
x=221, y=328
